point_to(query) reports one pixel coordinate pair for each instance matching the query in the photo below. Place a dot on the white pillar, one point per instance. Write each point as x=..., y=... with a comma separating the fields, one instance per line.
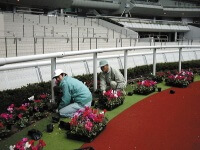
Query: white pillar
x=125, y=64
x=179, y=64
x=154, y=61
x=95, y=71
x=53, y=68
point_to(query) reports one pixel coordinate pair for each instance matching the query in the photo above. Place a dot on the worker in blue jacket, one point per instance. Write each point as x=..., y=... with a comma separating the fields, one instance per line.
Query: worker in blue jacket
x=75, y=95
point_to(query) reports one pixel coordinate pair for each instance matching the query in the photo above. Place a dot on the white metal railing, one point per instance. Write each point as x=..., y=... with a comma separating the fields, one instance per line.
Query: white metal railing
x=53, y=56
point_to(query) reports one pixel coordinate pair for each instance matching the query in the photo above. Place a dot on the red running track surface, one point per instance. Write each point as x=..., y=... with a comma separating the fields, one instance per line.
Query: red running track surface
x=162, y=121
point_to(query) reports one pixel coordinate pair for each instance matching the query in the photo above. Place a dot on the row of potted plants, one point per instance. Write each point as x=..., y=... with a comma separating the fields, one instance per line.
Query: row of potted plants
x=172, y=78
x=17, y=118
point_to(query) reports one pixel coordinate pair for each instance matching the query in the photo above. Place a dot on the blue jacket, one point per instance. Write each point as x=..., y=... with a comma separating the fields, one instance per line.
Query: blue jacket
x=74, y=91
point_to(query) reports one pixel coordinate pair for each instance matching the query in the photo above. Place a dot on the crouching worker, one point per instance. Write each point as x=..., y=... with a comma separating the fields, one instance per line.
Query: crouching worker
x=111, y=78
x=75, y=95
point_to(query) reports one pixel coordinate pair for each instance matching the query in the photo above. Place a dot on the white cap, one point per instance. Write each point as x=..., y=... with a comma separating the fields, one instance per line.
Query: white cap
x=57, y=72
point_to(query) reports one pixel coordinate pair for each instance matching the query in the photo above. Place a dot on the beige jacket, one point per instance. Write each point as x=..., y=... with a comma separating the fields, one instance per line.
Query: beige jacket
x=112, y=75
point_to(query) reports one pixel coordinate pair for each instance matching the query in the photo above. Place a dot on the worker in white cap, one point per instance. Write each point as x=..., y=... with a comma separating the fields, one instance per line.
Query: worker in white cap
x=110, y=78
x=75, y=94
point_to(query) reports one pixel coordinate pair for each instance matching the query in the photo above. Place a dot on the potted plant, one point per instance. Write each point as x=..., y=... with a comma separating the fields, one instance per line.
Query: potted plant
x=145, y=87
x=86, y=124
x=111, y=99
x=7, y=119
x=22, y=121
x=182, y=79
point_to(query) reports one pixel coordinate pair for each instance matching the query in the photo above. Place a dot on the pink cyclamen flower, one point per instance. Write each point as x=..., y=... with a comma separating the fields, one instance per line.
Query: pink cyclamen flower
x=88, y=125
x=10, y=109
x=24, y=140
x=6, y=116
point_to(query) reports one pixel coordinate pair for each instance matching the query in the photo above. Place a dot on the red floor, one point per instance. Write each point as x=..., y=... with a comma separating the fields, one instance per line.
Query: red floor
x=162, y=121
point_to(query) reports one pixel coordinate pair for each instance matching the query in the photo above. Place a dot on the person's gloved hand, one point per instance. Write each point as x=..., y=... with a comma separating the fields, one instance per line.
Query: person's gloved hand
x=57, y=111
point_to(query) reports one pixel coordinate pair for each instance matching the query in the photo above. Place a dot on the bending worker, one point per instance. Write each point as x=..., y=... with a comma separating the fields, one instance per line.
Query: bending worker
x=111, y=78
x=75, y=95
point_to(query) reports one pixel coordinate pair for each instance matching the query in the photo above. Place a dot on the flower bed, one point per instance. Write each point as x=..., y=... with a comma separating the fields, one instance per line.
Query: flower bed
x=17, y=118
x=86, y=124
x=111, y=100
x=145, y=87
x=182, y=79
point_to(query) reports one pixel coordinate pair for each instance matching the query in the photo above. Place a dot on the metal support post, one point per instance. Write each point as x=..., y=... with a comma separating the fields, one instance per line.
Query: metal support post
x=53, y=68
x=125, y=64
x=95, y=71
x=179, y=64
x=154, y=61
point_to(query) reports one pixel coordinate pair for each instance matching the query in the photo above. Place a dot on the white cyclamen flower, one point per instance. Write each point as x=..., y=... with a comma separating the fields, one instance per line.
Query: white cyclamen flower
x=12, y=147
x=115, y=95
x=27, y=145
x=31, y=98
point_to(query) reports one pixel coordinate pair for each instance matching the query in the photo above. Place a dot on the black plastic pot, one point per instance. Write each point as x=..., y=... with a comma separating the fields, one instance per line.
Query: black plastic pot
x=50, y=128
x=159, y=89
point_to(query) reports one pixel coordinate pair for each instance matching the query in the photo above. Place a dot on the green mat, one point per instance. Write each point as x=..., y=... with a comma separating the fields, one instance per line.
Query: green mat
x=57, y=139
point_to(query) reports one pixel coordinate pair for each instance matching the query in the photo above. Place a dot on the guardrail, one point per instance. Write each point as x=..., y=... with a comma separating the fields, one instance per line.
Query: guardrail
x=54, y=56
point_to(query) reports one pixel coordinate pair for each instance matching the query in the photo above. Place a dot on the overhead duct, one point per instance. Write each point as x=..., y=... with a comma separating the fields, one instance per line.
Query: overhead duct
x=94, y=4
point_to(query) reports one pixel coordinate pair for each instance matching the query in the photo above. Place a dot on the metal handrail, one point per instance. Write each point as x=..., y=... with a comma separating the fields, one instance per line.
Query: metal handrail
x=45, y=63
x=53, y=56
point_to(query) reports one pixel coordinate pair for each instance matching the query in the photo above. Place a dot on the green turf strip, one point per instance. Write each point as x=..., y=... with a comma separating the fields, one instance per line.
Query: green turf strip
x=57, y=139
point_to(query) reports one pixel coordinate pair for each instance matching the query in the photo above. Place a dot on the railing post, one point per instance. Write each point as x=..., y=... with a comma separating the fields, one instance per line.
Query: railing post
x=33, y=30
x=95, y=71
x=71, y=40
x=52, y=31
x=154, y=61
x=179, y=64
x=78, y=38
x=34, y=42
x=125, y=64
x=44, y=32
x=16, y=46
x=90, y=43
x=43, y=45
x=23, y=30
x=53, y=68
x=6, y=47
x=96, y=44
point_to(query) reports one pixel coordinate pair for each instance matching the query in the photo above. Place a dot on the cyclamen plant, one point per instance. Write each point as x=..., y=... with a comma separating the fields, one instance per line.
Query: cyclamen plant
x=111, y=99
x=87, y=122
x=26, y=144
x=182, y=79
x=7, y=118
x=145, y=87
x=110, y=94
